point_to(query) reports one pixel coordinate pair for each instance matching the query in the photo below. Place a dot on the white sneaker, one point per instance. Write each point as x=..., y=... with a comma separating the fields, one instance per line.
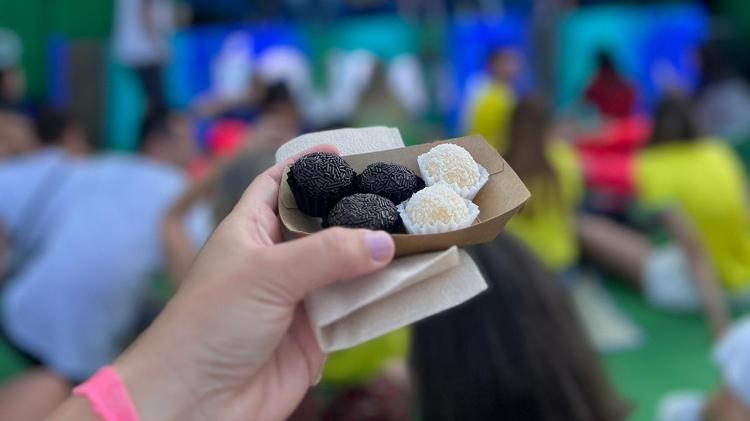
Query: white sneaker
x=684, y=405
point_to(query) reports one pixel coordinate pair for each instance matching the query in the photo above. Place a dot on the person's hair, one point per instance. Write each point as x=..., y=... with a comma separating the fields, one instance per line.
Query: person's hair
x=528, y=131
x=604, y=60
x=235, y=178
x=51, y=123
x=673, y=121
x=515, y=352
x=275, y=94
x=153, y=124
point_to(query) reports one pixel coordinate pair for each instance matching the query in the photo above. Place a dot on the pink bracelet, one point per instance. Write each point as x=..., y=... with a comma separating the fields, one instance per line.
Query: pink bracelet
x=108, y=396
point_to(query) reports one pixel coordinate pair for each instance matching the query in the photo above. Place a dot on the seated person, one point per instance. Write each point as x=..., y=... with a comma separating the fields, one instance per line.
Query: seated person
x=696, y=188
x=85, y=239
x=550, y=169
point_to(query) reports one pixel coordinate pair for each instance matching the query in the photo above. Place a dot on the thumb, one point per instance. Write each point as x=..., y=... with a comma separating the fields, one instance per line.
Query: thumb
x=335, y=254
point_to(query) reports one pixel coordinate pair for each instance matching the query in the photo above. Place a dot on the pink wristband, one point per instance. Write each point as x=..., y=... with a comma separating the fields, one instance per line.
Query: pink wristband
x=108, y=396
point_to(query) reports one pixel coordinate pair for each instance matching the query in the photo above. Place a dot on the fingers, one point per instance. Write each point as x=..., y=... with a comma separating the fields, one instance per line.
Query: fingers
x=301, y=266
x=264, y=190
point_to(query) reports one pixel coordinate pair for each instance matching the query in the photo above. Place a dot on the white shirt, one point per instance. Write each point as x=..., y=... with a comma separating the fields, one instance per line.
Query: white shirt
x=133, y=45
x=95, y=244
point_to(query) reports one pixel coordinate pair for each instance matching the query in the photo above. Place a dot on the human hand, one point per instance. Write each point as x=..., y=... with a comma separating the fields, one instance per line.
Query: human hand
x=234, y=342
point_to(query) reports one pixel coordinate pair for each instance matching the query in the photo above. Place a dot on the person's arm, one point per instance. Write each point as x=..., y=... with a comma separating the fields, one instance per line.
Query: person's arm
x=682, y=231
x=179, y=249
x=235, y=342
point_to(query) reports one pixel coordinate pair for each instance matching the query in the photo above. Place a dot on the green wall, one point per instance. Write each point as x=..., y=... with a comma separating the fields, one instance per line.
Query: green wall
x=36, y=20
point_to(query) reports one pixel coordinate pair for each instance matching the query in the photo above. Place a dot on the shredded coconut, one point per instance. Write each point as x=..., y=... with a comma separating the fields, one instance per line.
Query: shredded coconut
x=452, y=164
x=438, y=203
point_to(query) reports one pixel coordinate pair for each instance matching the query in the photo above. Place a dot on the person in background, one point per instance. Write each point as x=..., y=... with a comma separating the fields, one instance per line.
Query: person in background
x=550, y=169
x=55, y=127
x=490, y=103
x=84, y=238
x=609, y=91
x=515, y=352
x=17, y=136
x=696, y=190
x=723, y=102
x=12, y=76
x=141, y=42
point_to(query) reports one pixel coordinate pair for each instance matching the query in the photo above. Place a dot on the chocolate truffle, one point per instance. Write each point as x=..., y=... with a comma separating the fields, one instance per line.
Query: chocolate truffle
x=392, y=181
x=365, y=210
x=319, y=180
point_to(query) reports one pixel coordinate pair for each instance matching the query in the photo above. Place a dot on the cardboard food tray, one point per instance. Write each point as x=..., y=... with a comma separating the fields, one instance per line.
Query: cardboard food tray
x=500, y=199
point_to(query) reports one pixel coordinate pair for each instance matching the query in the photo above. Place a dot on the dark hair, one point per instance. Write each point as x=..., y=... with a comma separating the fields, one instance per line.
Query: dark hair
x=527, y=155
x=604, y=60
x=51, y=123
x=153, y=124
x=515, y=352
x=277, y=93
x=673, y=121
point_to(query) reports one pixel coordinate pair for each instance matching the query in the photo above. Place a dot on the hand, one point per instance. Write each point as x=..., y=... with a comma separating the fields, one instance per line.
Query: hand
x=234, y=343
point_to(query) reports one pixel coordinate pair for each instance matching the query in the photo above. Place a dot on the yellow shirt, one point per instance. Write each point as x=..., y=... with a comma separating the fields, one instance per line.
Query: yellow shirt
x=547, y=223
x=489, y=114
x=705, y=180
x=365, y=362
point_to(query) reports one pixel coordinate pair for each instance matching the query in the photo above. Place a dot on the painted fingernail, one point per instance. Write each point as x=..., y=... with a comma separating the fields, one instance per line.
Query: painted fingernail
x=380, y=245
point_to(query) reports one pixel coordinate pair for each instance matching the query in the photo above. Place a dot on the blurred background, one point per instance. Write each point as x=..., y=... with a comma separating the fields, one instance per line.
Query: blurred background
x=128, y=127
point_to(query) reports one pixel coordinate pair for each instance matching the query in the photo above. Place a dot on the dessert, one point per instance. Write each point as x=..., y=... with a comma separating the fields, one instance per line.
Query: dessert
x=435, y=209
x=319, y=180
x=392, y=181
x=365, y=210
x=453, y=165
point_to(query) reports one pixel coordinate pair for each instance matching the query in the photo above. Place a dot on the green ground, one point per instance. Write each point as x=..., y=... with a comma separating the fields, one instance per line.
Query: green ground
x=674, y=356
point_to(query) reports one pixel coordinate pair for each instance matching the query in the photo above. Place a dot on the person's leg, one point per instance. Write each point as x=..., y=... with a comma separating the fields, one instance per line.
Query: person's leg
x=32, y=396
x=614, y=247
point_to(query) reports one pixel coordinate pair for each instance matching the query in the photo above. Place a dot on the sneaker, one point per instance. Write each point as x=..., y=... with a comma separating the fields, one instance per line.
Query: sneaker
x=684, y=405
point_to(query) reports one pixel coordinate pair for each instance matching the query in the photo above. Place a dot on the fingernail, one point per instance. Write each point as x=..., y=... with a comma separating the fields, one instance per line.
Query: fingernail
x=380, y=245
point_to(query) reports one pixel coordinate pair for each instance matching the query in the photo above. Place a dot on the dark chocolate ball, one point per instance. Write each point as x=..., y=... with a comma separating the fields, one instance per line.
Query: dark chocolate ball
x=392, y=181
x=365, y=210
x=319, y=180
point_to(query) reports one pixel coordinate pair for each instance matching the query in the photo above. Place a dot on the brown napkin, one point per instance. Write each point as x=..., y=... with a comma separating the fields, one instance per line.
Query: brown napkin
x=411, y=288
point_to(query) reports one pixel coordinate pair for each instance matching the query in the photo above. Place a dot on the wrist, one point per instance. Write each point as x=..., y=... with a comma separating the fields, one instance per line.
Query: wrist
x=153, y=384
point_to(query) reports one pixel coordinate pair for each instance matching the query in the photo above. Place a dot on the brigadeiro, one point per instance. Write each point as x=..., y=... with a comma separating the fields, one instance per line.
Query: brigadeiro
x=392, y=181
x=365, y=210
x=319, y=180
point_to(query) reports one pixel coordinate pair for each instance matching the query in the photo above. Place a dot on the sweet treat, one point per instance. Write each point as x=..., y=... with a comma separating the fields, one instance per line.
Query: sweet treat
x=436, y=209
x=453, y=165
x=365, y=210
x=392, y=181
x=319, y=180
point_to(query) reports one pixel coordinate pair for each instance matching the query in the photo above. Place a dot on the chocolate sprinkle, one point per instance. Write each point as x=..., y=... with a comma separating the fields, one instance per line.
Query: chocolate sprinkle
x=365, y=210
x=318, y=180
x=392, y=181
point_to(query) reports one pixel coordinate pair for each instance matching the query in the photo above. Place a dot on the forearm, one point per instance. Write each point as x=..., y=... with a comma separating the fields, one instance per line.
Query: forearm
x=75, y=408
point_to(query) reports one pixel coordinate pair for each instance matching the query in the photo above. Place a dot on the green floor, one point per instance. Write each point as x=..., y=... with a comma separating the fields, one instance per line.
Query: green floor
x=674, y=356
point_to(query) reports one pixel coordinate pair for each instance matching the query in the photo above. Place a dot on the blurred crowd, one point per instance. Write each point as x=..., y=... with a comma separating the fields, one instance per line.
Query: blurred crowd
x=655, y=196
